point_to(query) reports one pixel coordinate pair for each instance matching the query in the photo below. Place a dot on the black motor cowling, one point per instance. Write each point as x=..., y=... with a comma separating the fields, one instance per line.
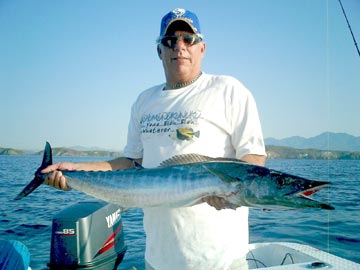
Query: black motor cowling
x=87, y=235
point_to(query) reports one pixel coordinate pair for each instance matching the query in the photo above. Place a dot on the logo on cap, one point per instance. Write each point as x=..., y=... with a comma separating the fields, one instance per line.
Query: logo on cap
x=179, y=12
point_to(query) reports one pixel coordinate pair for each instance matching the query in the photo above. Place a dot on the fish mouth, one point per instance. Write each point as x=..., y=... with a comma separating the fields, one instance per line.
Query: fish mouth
x=305, y=195
x=310, y=191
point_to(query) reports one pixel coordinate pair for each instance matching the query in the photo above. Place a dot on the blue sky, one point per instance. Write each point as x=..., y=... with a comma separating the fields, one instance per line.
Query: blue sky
x=70, y=70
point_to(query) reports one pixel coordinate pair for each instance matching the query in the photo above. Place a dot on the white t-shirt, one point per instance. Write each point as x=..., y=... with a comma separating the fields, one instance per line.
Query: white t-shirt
x=216, y=116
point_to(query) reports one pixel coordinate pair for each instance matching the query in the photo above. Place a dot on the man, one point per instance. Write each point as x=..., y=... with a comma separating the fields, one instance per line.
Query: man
x=192, y=112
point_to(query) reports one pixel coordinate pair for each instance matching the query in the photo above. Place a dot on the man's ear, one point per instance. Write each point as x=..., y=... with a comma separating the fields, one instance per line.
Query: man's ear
x=159, y=51
x=203, y=48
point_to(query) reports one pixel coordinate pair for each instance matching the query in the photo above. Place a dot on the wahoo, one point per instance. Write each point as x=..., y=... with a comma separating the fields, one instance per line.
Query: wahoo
x=185, y=180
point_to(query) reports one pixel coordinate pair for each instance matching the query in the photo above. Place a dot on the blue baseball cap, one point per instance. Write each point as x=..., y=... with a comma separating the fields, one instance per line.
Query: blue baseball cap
x=180, y=14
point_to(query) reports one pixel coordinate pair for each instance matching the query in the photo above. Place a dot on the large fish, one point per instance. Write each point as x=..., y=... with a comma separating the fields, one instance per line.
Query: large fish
x=186, y=179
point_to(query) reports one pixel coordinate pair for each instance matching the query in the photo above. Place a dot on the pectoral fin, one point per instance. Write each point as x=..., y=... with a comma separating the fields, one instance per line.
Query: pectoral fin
x=223, y=176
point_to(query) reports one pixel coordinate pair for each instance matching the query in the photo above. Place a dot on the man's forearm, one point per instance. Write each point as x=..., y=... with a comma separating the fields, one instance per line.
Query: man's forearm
x=254, y=159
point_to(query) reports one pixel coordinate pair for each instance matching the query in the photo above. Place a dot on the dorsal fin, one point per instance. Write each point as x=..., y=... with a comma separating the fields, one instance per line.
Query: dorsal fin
x=185, y=159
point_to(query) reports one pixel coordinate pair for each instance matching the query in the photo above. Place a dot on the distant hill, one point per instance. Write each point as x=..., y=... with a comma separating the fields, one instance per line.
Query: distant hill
x=325, y=141
x=273, y=152
x=11, y=151
x=283, y=152
x=62, y=151
x=327, y=145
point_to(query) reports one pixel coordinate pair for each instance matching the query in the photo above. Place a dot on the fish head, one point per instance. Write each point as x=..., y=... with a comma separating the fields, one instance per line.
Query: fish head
x=272, y=189
x=289, y=185
x=290, y=191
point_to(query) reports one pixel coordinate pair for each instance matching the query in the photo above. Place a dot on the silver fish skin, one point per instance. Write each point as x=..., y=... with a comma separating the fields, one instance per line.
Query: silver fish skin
x=184, y=180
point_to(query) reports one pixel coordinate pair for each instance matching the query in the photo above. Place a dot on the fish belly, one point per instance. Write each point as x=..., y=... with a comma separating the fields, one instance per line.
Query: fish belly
x=149, y=190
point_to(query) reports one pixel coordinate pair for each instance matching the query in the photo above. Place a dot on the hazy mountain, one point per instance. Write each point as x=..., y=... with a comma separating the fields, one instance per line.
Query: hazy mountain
x=11, y=151
x=94, y=148
x=325, y=141
x=284, y=152
x=64, y=151
x=327, y=145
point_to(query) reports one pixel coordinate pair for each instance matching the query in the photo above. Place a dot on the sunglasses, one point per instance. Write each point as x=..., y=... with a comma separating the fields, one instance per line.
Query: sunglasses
x=171, y=41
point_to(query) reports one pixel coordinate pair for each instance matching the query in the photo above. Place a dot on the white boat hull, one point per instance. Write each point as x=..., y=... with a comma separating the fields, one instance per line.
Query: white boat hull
x=293, y=256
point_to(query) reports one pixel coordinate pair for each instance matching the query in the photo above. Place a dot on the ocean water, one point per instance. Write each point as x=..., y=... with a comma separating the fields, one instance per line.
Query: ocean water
x=338, y=231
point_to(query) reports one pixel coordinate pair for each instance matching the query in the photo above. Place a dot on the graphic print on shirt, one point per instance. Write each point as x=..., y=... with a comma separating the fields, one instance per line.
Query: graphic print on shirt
x=176, y=125
x=184, y=134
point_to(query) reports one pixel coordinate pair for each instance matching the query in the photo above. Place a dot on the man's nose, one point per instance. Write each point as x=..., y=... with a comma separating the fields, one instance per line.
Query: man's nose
x=180, y=44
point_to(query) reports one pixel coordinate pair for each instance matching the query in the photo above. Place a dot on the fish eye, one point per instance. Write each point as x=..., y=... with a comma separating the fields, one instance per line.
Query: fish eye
x=280, y=181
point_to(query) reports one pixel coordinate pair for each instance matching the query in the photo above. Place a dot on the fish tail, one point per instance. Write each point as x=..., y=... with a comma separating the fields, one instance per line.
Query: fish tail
x=39, y=177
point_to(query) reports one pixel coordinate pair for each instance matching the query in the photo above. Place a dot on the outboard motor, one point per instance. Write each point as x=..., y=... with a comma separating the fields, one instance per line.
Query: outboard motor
x=87, y=235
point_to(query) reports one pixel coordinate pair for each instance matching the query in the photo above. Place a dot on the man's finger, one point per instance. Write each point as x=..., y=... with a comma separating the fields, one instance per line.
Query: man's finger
x=50, y=168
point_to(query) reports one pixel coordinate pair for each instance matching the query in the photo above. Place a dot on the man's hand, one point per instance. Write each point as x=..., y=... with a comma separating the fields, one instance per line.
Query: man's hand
x=55, y=177
x=219, y=203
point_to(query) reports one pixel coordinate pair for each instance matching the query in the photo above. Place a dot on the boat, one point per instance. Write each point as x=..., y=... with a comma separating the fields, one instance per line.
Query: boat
x=14, y=255
x=294, y=256
x=89, y=235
